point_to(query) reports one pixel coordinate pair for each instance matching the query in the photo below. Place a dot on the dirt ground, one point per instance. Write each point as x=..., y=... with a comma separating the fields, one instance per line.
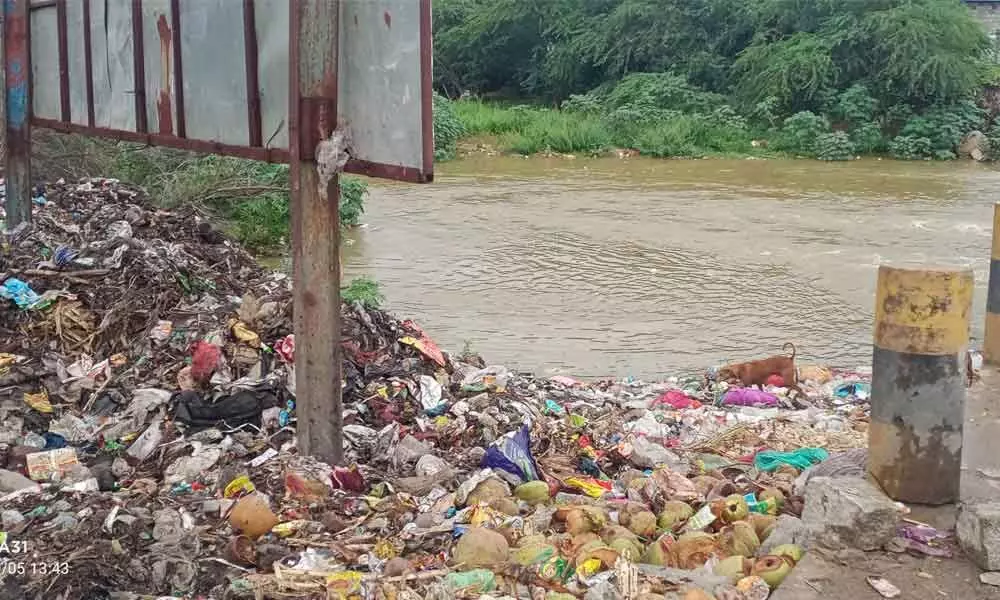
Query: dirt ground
x=842, y=576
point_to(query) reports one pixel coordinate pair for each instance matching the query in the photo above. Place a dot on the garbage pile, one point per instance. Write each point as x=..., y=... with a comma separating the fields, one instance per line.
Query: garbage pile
x=147, y=414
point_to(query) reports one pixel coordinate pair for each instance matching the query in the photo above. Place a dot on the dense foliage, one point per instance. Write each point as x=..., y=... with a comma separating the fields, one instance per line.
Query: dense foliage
x=665, y=76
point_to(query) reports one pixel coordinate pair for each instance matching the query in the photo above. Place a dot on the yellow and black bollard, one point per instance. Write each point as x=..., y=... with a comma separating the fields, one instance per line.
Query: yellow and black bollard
x=991, y=337
x=918, y=382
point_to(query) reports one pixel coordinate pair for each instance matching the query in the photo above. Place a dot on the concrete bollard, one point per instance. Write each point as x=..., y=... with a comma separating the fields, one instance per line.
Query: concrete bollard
x=991, y=337
x=918, y=382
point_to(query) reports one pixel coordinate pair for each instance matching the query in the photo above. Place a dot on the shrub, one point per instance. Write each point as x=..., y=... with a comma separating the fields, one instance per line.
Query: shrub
x=663, y=91
x=945, y=126
x=835, y=145
x=800, y=132
x=855, y=105
x=908, y=147
x=867, y=138
x=364, y=291
x=447, y=128
x=352, y=200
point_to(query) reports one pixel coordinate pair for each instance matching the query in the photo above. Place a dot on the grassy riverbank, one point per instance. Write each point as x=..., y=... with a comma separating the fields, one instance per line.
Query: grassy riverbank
x=851, y=129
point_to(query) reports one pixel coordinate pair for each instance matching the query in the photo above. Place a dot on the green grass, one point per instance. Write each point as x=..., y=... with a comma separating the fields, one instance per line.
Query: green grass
x=530, y=130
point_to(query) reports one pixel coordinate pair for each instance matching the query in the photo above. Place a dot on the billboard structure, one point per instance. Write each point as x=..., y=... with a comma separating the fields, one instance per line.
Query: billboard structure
x=323, y=85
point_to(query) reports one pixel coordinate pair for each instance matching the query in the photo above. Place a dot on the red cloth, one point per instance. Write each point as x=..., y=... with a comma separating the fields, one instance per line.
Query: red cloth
x=204, y=362
x=677, y=400
x=775, y=380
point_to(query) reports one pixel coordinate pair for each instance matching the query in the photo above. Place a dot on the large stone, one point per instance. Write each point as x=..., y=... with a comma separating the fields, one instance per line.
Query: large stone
x=787, y=530
x=975, y=145
x=978, y=533
x=11, y=481
x=848, y=512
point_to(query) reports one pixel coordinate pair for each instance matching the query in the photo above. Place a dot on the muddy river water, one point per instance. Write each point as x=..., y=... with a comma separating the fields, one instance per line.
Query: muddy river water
x=595, y=267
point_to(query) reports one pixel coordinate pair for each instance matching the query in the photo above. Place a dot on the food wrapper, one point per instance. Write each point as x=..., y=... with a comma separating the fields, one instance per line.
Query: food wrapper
x=512, y=453
x=424, y=344
x=243, y=333
x=701, y=519
x=239, y=486
x=590, y=487
x=344, y=585
x=588, y=568
x=39, y=401
x=43, y=465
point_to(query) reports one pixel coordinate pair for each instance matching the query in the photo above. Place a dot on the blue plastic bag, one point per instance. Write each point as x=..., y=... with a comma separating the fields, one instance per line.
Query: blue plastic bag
x=512, y=453
x=20, y=293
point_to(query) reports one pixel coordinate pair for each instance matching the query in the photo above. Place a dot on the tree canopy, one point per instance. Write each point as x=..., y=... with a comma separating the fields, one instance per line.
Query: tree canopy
x=797, y=54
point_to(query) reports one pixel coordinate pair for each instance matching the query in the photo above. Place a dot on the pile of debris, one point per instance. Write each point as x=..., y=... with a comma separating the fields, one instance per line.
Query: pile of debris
x=147, y=413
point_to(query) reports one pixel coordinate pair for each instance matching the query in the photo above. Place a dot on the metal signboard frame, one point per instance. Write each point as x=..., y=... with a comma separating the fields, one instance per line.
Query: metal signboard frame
x=327, y=86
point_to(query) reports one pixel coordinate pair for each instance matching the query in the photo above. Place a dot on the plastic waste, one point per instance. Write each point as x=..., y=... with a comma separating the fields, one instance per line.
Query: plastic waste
x=749, y=397
x=476, y=581
x=803, y=458
x=493, y=379
x=430, y=393
x=240, y=408
x=22, y=295
x=512, y=454
x=144, y=446
x=856, y=389
x=677, y=400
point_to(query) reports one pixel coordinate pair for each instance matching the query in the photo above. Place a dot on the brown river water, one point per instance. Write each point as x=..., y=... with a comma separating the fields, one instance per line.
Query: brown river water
x=610, y=267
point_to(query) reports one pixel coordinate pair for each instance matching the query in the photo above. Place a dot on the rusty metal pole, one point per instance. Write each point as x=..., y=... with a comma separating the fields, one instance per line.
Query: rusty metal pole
x=918, y=382
x=315, y=229
x=17, y=74
x=991, y=337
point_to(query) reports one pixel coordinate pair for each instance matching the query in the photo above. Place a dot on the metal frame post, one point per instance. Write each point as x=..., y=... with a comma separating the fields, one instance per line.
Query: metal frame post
x=17, y=70
x=918, y=382
x=991, y=336
x=315, y=228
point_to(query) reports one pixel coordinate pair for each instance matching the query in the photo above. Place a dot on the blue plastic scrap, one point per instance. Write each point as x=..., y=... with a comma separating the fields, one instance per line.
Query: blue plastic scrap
x=22, y=295
x=512, y=453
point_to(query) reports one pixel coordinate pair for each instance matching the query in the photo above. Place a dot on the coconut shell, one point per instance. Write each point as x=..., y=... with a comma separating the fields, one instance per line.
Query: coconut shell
x=479, y=547
x=734, y=567
x=596, y=549
x=611, y=533
x=584, y=519
x=762, y=525
x=673, y=513
x=533, y=492
x=252, y=516
x=703, y=484
x=487, y=491
x=505, y=505
x=629, y=549
x=658, y=552
x=734, y=509
x=772, y=569
x=692, y=550
x=772, y=492
x=739, y=539
x=643, y=524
